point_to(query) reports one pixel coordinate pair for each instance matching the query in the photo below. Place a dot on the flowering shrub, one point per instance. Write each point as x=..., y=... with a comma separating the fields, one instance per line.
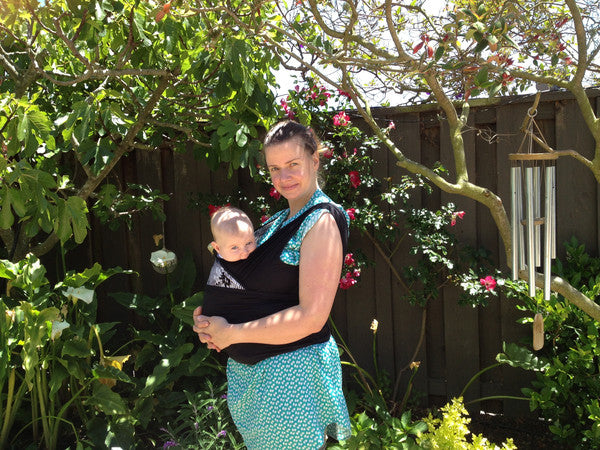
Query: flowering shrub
x=377, y=208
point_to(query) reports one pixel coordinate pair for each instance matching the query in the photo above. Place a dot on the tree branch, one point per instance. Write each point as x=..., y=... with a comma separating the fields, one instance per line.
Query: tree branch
x=126, y=145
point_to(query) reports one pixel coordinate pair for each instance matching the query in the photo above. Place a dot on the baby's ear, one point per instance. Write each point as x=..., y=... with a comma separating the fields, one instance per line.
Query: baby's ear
x=213, y=246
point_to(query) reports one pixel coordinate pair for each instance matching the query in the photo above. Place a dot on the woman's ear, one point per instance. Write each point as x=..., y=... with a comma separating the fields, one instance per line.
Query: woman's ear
x=316, y=159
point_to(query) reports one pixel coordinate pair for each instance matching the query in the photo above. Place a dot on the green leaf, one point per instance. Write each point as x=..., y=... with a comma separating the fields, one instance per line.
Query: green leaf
x=162, y=369
x=40, y=122
x=522, y=357
x=106, y=400
x=76, y=347
x=6, y=216
x=482, y=76
x=185, y=310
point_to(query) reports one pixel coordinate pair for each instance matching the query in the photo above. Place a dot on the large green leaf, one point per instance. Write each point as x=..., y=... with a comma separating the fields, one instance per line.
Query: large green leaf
x=108, y=401
x=162, y=369
x=522, y=357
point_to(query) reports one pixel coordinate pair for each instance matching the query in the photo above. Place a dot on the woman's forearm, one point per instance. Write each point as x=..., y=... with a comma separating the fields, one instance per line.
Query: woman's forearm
x=283, y=327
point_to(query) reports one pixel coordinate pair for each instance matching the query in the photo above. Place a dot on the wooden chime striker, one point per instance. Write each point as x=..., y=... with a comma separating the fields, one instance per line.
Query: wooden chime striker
x=533, y=178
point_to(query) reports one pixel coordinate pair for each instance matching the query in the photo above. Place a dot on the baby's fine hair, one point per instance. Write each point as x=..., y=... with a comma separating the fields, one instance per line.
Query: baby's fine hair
x=227, y=219
x=289, y=129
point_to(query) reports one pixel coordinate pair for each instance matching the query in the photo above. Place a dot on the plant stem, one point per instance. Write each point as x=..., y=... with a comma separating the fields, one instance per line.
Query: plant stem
x=43, y=415
x=474, y=377
x=7, y=412
x=497, y=397
x=356, y=366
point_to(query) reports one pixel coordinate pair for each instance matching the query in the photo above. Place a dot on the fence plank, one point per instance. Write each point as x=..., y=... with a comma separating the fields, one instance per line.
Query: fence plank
x=461, y=331
x=407, y=318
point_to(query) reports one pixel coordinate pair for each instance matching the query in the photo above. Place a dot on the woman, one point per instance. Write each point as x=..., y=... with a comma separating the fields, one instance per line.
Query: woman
x=294, y=399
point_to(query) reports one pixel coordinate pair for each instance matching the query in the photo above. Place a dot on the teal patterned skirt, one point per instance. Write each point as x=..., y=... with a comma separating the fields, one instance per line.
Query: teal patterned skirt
x=289, y=401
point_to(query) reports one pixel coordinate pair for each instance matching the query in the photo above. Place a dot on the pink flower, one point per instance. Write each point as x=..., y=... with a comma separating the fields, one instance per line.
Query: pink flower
x=328, y=153
x=274, y=193
x=354, y=178
x=356, y=273
x=351, y=213
x=488, y=282
x=345, y=94
x=392, y=125
x=264, y=218
x=341, y=119
x=459, y=214
x=349, y=260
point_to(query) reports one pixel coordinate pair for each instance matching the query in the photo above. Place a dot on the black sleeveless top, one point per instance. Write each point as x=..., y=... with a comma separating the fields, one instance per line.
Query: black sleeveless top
x=269, y=285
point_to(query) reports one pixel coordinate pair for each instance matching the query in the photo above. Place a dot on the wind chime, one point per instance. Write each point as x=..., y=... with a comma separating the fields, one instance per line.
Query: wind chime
x=533, y=179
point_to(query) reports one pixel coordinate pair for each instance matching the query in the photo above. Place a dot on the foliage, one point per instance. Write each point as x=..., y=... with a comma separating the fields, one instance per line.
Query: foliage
x=567, y=389
x=384, y=432
x=452, y=429
x=203, y=422
x=84, y=84
x=53, y=356
x=469, y=48
x=65, y=378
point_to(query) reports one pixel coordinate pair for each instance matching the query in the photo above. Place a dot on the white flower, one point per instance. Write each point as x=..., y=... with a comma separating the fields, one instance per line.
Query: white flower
x=57, y=328
x=163, y=261
x=82, y=293
x=374, y=326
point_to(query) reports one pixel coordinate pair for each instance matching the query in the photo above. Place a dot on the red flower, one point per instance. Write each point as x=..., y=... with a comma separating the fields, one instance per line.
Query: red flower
x=328, y=153
x=488, y=282
x=351, y=213
x=274, y=193
x=341, y=119
x=354, y=179
x=345, y=94
x=213, y=209
x=346, y=281
x=349, y=260
x=264, y=218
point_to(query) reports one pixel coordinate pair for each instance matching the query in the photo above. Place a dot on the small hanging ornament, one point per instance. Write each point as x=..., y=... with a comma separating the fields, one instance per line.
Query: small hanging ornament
x=538, y=331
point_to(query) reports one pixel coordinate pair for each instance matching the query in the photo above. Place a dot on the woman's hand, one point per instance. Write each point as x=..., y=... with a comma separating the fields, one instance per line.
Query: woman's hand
x=200, y=325
x=220, y=332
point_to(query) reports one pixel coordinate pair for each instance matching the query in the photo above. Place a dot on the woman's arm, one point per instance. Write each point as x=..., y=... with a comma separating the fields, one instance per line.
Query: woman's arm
x=320, y=267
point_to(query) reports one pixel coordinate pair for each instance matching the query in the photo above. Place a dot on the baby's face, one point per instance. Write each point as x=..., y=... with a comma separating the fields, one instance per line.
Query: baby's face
x=235, y=246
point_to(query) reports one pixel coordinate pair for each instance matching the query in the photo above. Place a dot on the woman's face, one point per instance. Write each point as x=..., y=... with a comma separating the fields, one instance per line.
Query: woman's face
x=293, y=171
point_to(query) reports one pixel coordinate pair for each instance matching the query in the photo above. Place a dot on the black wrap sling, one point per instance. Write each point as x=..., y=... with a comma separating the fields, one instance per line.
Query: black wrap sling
x=270, y=285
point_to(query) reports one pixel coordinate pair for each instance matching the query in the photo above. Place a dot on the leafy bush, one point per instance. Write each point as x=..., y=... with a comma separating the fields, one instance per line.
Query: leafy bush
x=203, y=422
x=567, y=392
x=451, y=431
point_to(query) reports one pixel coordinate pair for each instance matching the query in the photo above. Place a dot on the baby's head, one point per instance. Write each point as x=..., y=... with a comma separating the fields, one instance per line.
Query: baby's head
x=233, y=233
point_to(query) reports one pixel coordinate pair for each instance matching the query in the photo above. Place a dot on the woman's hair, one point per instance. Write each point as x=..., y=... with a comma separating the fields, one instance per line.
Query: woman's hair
x=289, y=129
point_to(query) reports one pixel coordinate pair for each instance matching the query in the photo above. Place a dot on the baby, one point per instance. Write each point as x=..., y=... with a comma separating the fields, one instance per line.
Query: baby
x=233, y=234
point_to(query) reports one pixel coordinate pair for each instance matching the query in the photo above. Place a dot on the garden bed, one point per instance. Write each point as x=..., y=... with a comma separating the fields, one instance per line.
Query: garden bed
x=526, y=432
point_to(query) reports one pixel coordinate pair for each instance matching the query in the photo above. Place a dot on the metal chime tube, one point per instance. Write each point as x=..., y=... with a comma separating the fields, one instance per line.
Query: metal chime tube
x=553, y=172
x=537, y=212
x=529, y=203
x=548, y=228
x=515, y=219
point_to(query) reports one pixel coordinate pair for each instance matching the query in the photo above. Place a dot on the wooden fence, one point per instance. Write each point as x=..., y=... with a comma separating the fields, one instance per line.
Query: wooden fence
x=457, y=341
